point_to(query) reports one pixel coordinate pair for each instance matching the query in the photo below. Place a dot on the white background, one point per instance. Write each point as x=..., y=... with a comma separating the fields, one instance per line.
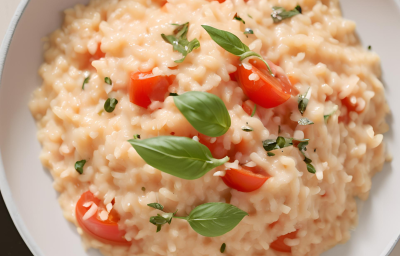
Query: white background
x=7, y=9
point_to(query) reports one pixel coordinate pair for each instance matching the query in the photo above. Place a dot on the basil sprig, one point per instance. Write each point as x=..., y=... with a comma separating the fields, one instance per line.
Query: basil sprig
x=110, y=104
x=279, y=13
x=209, y=219
x=282, y=142
x=179, y=156
x=180, y=42
x=206, y=112
x=232, y=44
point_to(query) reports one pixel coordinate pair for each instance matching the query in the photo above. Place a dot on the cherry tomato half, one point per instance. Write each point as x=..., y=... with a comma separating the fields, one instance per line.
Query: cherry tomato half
x=244, y=179
x=279, y=244
x=264, y=90
x=106, y=231
x=146, y=87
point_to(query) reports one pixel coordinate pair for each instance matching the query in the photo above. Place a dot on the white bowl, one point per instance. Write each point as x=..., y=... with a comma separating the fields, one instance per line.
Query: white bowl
x=27, y=187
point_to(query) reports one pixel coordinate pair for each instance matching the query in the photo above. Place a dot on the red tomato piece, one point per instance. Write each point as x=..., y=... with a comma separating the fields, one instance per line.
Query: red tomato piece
x=146, y=87
x=279, y=244
x=233, y=76
x=248, y=107
x=105, y=231
x=267, y=91
x=245, y=179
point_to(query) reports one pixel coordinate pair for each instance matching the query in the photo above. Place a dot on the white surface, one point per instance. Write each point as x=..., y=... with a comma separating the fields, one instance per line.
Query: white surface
x=31, y=185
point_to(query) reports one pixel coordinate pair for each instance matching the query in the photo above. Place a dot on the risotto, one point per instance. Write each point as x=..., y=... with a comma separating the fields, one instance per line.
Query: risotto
x=195, y=127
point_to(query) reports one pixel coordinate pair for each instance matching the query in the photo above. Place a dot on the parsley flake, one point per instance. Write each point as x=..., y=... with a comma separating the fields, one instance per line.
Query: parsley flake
x=279, y=13
x=79, y=166
x=236, y=17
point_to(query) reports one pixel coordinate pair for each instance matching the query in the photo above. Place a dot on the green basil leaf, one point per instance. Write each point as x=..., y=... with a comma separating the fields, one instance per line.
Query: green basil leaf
x=279, y=13
x=223, y=247
x=156, y=206
x=311, y=168
x=305, y=121
x=179, y=156
x=227, y=40
x=205, y=112
x=215, y=219
x=179, y=41
x=303, y=102
x=79, y=166
x=107, y=80
x=236, y=17
x=110, y=104
x=270, y=154
x=282, y=142
x=85, y=82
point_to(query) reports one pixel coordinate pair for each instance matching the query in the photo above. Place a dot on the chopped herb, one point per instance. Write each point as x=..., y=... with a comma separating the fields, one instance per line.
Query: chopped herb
x=303, y=101
x=209, y=219
x=85, y=82
x=369, y=47
x=107, y=80
x=79, y=166
x=270, y=154
x=143, y=189
x=311, y=168
x=305, y=121
x=279, y=129
x=326, y=117
x=279, y=13
x=315, y=150
x=248, y=31
x=180, y=42
x=254, y=110
x=100, y=112
x=236, y=17
x=233, y=44
x=136, y=136
x=223, y=247
x=249, y=16
x=173, y=94
x=247, y=129
x=110, y=104
x=156, y=206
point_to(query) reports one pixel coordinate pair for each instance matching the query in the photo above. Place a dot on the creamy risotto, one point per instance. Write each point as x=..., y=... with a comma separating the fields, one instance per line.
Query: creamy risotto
x=194, y=127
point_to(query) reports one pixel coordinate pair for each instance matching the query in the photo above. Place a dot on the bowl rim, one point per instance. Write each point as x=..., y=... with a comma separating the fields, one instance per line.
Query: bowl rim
x=4, y=186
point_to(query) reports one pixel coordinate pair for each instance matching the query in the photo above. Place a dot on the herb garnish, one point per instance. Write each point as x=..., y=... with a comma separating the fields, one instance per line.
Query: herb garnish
x=270, y=154
x=110, y=104
x=282, y=142
x=206, y=112
x=173, y=94
x=326, y=117
x=180, y=42
x=236, y=17
x=305, y=121
x=247, y=128
x=249, y=16
x=279, y=129
x=209, y=219
x=136, y=136
x=179, y=156
x=254, y=110
x=85, y=82
x=369, y=47
x=222, y=249
x=79, y=166
x=233, y=44
x=156, y=206
x=143, y=189
x=248, y=31
x=303, y=101
x=107, y=80
x=279, y=13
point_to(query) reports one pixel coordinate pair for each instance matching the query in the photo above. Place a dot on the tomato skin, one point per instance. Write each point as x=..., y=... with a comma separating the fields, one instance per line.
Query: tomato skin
x=105, y=231
x=146, y=87
x=279, y=244
x=267, y=91
x=244, y=179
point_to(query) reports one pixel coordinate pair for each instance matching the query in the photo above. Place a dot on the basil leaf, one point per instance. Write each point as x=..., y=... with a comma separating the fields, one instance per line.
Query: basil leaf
x=136, y=136
x=227, y=40
x=254, y=110
x=160, y=220
x=232, y=44
x=156, y=206
x=179, y=41
x=279, y=13
x=270, y=154
x=173, y=94
x=305, y=121
x=205, y=112
x=303, y=102
x=110, y=104
x=222, y=249
x=326, y=117
x=236, y=17
x=248, y=31
x=85, y=82
x=215, y=219
x=79, y=166
x=107, y=80
x=179, y=156
x=311, y=169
